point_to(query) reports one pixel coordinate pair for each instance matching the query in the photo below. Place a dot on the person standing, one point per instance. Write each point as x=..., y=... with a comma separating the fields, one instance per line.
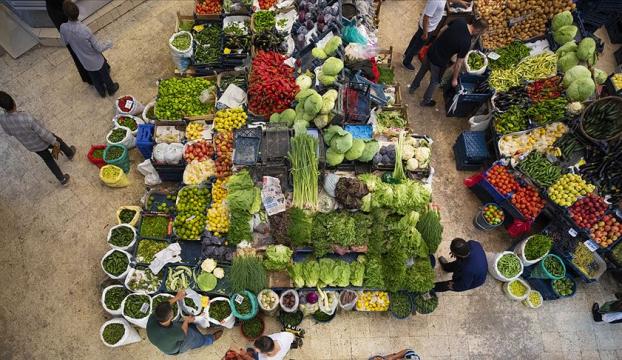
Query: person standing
x=275, y=346
x=455, y=40
x=469, y=269
x=428, y=22
x=55, y=11
x=609, y=312
x=176, y=337
x=88, y=49
x=34, y=136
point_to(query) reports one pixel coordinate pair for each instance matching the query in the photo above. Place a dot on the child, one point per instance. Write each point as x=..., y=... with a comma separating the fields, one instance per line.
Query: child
x=88, y=49
x=25, y=128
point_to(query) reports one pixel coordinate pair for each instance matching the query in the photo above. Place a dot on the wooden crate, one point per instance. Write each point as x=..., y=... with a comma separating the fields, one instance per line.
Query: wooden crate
x=385, y=57
x=181, y=18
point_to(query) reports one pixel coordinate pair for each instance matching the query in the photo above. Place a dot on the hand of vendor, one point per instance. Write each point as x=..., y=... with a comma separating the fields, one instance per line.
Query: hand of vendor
x=179, y=296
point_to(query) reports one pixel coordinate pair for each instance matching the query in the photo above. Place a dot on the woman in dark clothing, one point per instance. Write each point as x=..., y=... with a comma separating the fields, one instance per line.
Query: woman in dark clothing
x=55, y=11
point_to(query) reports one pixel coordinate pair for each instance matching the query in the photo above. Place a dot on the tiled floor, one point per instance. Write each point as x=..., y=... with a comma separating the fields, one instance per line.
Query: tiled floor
x=53, y=237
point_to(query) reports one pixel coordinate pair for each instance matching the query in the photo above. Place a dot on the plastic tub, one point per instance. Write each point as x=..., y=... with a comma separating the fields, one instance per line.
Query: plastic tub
x=122, y=161
x=540, y=272
x=480, y=221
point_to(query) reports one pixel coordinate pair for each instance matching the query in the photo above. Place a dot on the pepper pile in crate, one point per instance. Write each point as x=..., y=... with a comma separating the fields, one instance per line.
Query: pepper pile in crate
x=272, y=86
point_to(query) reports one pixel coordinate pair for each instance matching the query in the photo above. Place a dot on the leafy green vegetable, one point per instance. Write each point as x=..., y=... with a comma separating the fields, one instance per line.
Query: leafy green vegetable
x=239, y=228
x=357, y=271
x=252, y=328
x=420, y=276
x=300, y=226
x=295, y=272
x=247, y=273
x=121, y=236
x=374, y=278
x=337, y=228
x=219, y=310
x=311, y=273
x=116, y=263
x=431, y=230
x=537, y=246
x=400, y=304
x=426, y=304
x=277, y=257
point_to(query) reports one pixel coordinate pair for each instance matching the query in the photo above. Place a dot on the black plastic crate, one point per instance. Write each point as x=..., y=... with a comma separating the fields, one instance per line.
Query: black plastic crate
x=614, y=29
x=472, y=146
x=246, y=150
x=275, y=144
x=277, y=170
x=462, y=164
x=170, y=172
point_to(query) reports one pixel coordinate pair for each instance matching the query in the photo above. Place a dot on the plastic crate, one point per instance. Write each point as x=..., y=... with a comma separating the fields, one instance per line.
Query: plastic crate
x=360, y=131
x=158, y=197
x=145, y=215
x=190, y=251
x=472, y=146
x=144, y=140
x=275, y=144
x=279, y=171
x=462, y=164
x=173, y=173
x=246, y=150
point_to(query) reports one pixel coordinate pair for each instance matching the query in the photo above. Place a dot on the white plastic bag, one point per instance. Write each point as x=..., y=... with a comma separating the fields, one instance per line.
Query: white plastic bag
x=492, y=266
x=112, y=312
x=129, y=141
x=227, y=322
x=351, y=304
x=129, y=337
x=480, y=122
x=196, y=299
x=181, y=57
x=136, y=107
x=519, y=250
x=476, y=71
x=139, y=274
x=130, y=245
x=149, y=172
x=177, y=315
x=328, y=301
x=330, y=183
x=173, y=153
x=142, y=322
x=122, y=275
x=115, y=121
x=145, y=117
x=296, y=301
x=506, y=289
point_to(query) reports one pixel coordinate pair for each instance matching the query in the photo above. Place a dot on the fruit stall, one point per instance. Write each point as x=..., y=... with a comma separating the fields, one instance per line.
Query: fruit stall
x=549, y=142
x=264, y=178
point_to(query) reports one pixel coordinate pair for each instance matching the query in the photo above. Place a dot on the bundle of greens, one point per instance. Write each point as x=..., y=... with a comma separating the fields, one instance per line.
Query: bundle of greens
x=336, y=228
x=277, y=257
x=300, y=226
x=304, y=169
x=537, y=246
x=247, y=273
x=243, y=199
x=431, y=230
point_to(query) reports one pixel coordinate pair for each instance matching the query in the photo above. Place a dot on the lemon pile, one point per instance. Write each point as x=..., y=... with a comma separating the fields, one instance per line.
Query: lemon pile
x=617, y=81
x=229, y=119
x=568, y=188
x=218, y=218
x=373, y=301
x=219, y=193
x=194, y=131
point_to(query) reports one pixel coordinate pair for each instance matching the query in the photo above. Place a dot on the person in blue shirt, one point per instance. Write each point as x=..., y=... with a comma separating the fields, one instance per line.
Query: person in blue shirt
x=469, y=269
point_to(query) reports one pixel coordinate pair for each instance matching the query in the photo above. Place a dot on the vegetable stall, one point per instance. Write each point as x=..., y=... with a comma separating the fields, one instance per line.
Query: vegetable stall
x=292, y=188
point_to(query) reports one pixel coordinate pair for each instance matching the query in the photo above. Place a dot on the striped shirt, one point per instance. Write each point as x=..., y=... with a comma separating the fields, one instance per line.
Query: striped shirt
x=84, y=44
x=28, y=130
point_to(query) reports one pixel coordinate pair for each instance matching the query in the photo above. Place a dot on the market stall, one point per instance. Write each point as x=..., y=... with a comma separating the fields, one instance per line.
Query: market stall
x=292, y=187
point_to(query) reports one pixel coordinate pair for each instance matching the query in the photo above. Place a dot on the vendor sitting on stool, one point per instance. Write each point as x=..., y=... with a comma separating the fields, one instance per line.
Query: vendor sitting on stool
x=469, y=269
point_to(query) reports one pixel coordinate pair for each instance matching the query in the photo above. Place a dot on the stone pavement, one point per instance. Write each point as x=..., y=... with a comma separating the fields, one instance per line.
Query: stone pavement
x=53, y=237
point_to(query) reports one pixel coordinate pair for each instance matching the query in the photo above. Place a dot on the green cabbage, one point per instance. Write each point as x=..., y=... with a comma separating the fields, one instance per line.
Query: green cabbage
x=275, y=118
x=567, y=61
x=568, y=47
x=321, y=121
x=296, y=273
x=356, y=150
x=586, y=48
x=599, y=76
x=565, y=34
x=562, y=19
x=341, y=143
x=331, y=131
x=327, y=272
x=319, y=53
x=581, y=89
x=577, y=72
x=303, y=94
x=300, y=127
x=332, y=45
x=333, y=158
x=371, y=148
x=332, y=66
x=326, y=79
x=304, y=81
x=288, y=116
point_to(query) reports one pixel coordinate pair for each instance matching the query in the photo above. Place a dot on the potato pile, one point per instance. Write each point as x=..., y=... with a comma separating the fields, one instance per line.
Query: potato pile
x=498, y=13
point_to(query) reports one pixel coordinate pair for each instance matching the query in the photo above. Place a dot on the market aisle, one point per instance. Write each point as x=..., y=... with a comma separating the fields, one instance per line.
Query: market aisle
x=53, y=237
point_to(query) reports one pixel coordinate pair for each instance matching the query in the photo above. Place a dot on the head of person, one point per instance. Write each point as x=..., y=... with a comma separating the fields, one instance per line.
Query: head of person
x=71, y=10
x=7, y=102
x=459, y=248
x=164, y=312
x=479, y=26
x=264, y=344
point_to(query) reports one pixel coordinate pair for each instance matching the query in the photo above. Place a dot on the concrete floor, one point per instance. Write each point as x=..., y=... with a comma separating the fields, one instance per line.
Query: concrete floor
x=53, y=237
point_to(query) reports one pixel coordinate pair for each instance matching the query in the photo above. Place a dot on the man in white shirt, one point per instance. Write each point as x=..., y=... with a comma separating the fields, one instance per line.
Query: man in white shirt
x=275, y=346
x=430, y=18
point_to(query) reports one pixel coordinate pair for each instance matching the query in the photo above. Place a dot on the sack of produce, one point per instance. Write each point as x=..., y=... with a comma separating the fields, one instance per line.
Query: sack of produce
x=480, y=122
x=181, y=49
x=268, y=301
x=121, y=237
x=476, y=62
x=533, y=300
x=112, y=297
x=113, y=176
x=400, y=305
x=329, y=300
x=192, y=303
x=162, y=297
x=504, y=266
x=129, y=121
x=118, y=332
x=121, y=135
x=289, y=301
x=550, y=267
x=136, y=309
x=129, y=214
x=142, y=280
x=244, y=305
x=219, y=312
x=253, y=328
x=516, y=289
x=128, y=105
x=564, y=287
x=347, y=299
x=116, y=263
x=308, y=302
x=533, y=249
x=148, y=114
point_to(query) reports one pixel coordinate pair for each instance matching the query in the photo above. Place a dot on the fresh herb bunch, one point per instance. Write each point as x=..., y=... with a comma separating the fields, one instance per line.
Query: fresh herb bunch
x=121, y=236
x=337, y=228
x=537, y=246
x=247, y=273
x=114, y=297
x=431, y=230
x=300, y=227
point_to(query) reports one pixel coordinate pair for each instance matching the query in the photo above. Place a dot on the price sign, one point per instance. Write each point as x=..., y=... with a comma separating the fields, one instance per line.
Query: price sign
x=129, y=103
x=239, y=299
x=591, y=245
x=572, y=232
x=144, y=308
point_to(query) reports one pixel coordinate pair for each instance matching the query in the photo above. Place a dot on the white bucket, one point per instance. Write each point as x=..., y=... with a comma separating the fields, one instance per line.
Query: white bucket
x=129, y=337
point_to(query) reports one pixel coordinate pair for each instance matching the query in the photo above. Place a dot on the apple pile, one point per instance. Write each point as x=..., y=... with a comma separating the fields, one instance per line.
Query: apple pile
x=528, y=202
x=199, y=150
x=501, y=179
x=606, y=231
x=223, y=142
x=588, y=210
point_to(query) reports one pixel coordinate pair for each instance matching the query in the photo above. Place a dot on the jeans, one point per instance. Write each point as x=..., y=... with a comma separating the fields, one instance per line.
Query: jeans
x=46, y=155
x=101, y=79
x=443, y=286
x=416, y=43
x=436, y=72
x=195, y=339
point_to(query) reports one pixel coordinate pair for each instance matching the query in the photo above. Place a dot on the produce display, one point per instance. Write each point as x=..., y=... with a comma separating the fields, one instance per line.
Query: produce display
x=207, y=7
x=158, y=299
x=229, y=119
x=179, y=97
x=114, y=297
x=516, y=95
x=531, y=68
x=252, y=328
x=602, y=120
x=247, y=273
x=510, y=55
x=528, y=201
x=156, y=227
x=539, y=169
x=567, y=189
x=144, y=280
x=616, y=254
x=134, y=304
x=400, y=305
x=545, y=89
x=425, y=304
x=291, y=319
x=547, y=111
x=517, y=288
x=117, y=135
x=564, y=286
x=182, y=41
x=268, y=299
x=606, y=231
x=509, y=265
x=147, y=249
x=178, y=278
x=554, y=266
x=113, y=333
x=223, y=143
x=537, y=246
x=475, y=60
x=200, y=150
x=304, y=170
x=121, y=236
x=373, y=301
x=116, y=263
x=534, y=299
x=271, y=85
x=539, y=139
x=493, y=214
x=219, y=310
x=127, y=122
x=583, y=259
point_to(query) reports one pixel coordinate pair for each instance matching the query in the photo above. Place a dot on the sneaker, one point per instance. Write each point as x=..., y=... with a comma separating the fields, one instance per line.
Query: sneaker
x=408, y=66
x=73, y=152
x=65, y=180
x=114, y=89
x=429, y=103
x=595, y=314
x=102, y=94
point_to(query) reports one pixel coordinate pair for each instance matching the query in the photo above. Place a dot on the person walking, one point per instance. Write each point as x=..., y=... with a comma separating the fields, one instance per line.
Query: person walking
x=88, y=49
x=428, y=22
x=34, y=136
x=455, y=40
x=176, y=337
x=609, y=312
x=469, y=269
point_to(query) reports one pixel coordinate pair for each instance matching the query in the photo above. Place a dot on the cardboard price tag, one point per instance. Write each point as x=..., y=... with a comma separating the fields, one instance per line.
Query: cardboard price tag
x=572, y=232
x=493, y=55
x=144, y=308
x=591, y=245
x=239, y=299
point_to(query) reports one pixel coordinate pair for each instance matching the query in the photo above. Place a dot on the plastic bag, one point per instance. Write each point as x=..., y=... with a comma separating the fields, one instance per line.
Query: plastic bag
x=329, y=300
x=351, y=34
x=103, y=301
x=129, y=141
x=149, y=172
x=480, y=122
x=113, y=176
x=227, y=322
x=142, y=322
x=130, y=335
x=127, y=269
x=130, y=245
x=173, y=153
x=196, y=299
x=136, y=107
x=360, y=51
x=136, y=217
x=138, y=121
x=296, y=301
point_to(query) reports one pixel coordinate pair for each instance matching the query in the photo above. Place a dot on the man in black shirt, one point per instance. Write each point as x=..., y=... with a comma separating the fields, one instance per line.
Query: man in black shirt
x=456, y=39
